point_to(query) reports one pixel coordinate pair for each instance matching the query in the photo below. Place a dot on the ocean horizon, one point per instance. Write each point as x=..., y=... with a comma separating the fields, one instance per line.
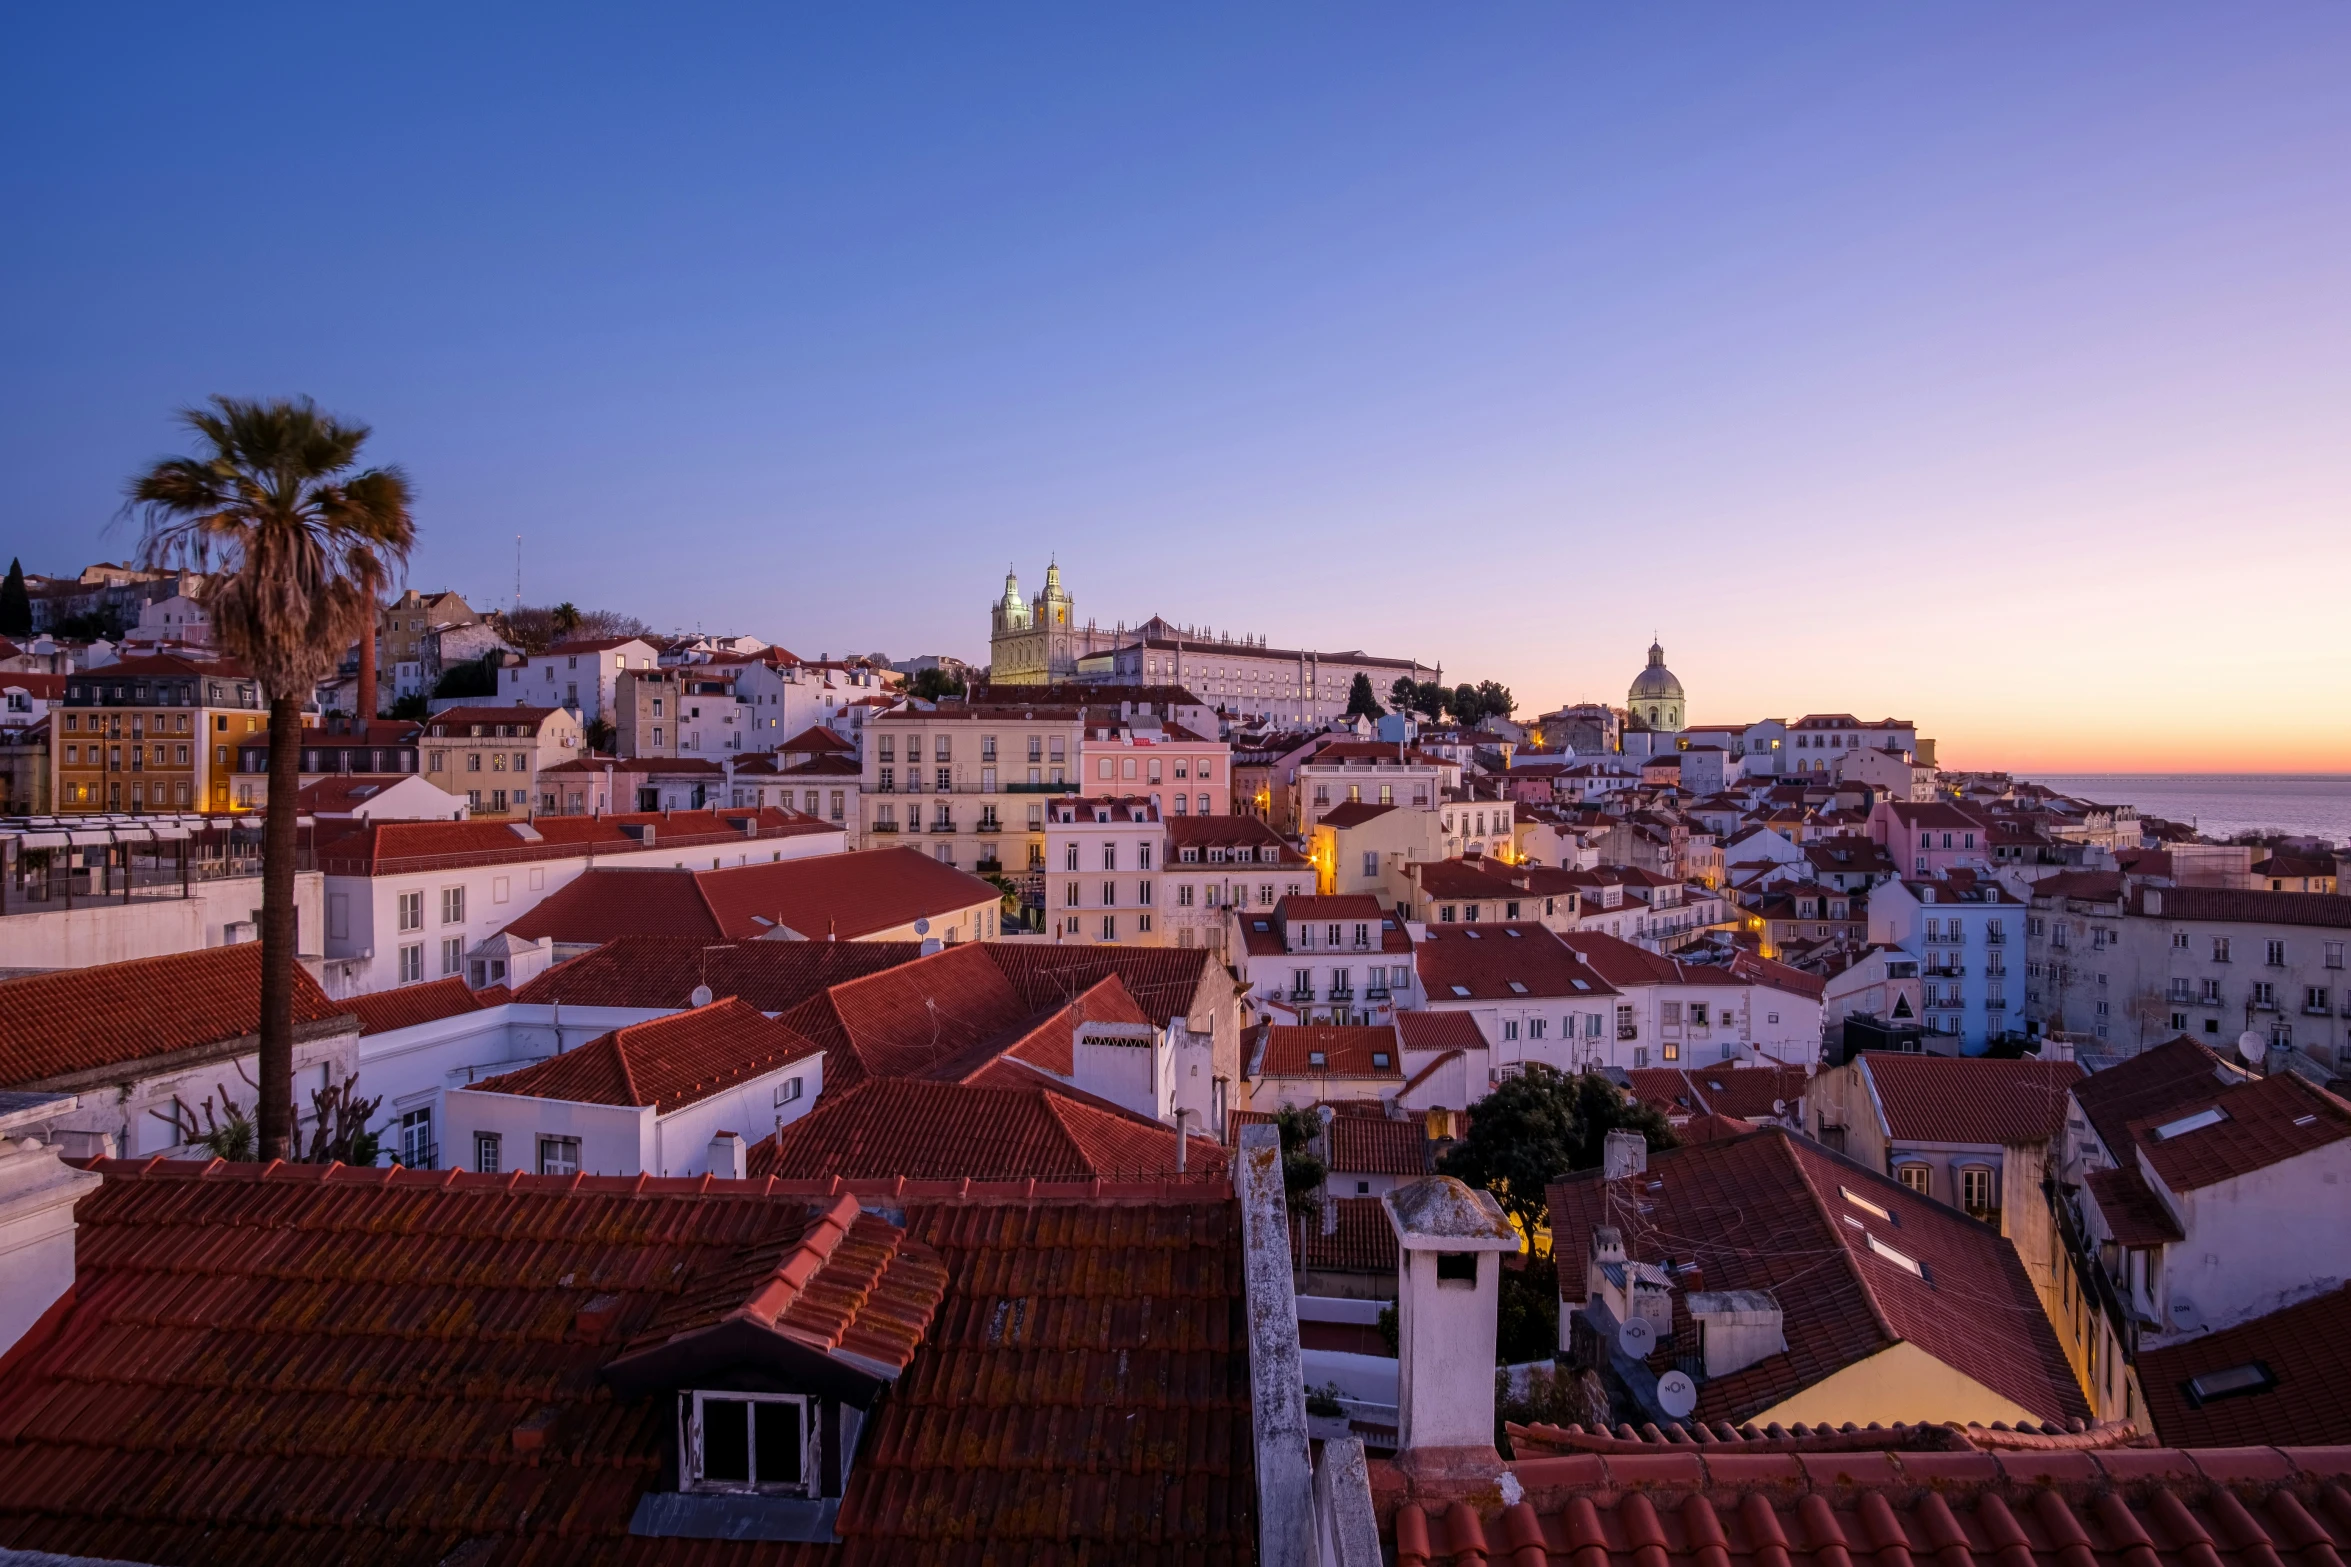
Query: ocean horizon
x=2221, y=805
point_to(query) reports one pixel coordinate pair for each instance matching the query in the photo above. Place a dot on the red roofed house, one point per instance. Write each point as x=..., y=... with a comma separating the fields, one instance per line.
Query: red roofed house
x=1528, y=993
x=876, y=895
x=680, y=1095
x=2209, y=1197
x=1971, y=1131
x=1793, y=1285
x=143, y=1045
x=1294, y=1065
x=408, y=902
x=1323, y=960
x=1684, y=1014
x=492, y=756
x=379, y=797
x=578, y=675
x=503, y=1370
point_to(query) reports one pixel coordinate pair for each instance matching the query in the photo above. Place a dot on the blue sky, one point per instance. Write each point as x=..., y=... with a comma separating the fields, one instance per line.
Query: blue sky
x=1988, y=366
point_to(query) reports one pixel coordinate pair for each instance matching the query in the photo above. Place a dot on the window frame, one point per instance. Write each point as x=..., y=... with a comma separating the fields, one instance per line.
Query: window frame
x=692, y=1457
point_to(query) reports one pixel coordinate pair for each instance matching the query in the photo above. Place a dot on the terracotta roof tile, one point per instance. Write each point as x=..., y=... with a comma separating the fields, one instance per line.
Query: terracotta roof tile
x=2133, y=1213
x=665, y=1063
x=1767, y=1212
x=1376, y=1145
x=1504, y=962
x=1421, y=1030
x=1970, y=1099
x=827, y=896
x=397, y=848
x=1342, y=1052
x=889, y=1127
x=2306, y=1350
x=1362, y=1240
x=279, y=1367
x=2325, y=909
x=2263, y=1122
x=662, y=971
x=410, y=1005
x=2178, y=1072
x=79, y=1020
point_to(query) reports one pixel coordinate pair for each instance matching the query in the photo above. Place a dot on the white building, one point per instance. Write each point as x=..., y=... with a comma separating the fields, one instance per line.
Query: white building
x=1311, y=959
x=578, y=675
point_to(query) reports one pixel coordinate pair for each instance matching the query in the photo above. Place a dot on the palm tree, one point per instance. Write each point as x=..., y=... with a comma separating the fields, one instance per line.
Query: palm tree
x=304, y=540
x=565, y=617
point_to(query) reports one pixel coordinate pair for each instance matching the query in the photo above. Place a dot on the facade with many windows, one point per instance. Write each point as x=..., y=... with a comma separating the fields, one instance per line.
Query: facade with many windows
x=152, y=734
x=492, y=757
x=971, y=785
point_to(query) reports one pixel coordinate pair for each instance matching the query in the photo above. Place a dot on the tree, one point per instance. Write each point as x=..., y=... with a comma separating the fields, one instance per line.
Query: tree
x=1360, y=702
x=565, y=619
x=1537, y=1127
x=1424, y=697
x=1465, y=704
x=304, y=540
x=1495, y=699
x=16, y=605
x=933, y=683
x=411, y=708
x=536, y=628
x=1302, y=1167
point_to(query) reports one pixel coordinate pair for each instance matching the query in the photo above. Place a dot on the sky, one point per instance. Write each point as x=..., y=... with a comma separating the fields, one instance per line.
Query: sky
x=1987, y=366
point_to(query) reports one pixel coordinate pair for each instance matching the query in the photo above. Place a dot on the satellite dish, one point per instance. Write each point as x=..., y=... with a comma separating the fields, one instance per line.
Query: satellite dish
x=922, y=927
x=1636, y=1338
x=1677, y=1395
x=2251, y=1047
x=1779, y=1107
x=2185, y=1316
x=701, y=996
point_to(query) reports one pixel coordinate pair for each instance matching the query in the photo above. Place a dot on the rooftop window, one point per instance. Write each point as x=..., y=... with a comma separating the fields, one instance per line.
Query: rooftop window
x=2235, y=1382
x=2190, y=1123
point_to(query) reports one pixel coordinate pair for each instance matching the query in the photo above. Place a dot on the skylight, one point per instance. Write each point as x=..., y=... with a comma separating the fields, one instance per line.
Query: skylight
x=1906, y=1263
x=1471, y=934
x=1379, y=1059
x=1512, y=933
x=1316, y=1058
x=1461, y=990
x=1580, y=984
x=2235, y=1382
x=1517, y=989
x=1863, y=1203
x=2190, y=1123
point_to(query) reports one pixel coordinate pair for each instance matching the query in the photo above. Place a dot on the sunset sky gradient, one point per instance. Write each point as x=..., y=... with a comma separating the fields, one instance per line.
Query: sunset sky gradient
x=1988, y=366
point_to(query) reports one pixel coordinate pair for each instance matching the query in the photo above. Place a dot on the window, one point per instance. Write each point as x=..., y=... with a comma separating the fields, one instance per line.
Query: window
x=1457, y=1267
x=559, y=1156
x=411, y=907
x=453, y=955
x=412, y=963
x=452, y=905
x=2276, y=956
x=485, y=1153
x=416, y=1139
x=787, y=1091
x=749, y=1442
x=1918, y=1177
x=1975, y=1189
x=2235, y=1382
x=2220, y=949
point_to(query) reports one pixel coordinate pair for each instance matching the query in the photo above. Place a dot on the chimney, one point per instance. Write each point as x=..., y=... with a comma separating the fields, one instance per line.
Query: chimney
x=37, y=1194
x=1736, y=1328
x=1624, y=1153
x=367, y=670
x=1449, y=1241
x=727, y=1159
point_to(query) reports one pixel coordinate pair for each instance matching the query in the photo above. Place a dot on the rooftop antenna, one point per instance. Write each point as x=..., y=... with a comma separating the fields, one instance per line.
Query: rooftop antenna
x=518, y=571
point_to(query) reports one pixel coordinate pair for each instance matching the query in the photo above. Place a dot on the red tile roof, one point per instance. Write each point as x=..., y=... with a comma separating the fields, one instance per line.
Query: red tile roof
x=816, y=739
x=452, y=722
x=665, y=1063
x=1969, y=1099
x=1345, y=1052
x=888, y=1127
x=2306, y=1350
x=2133, y=1213
x=1352, y=813
x=2178, y=1072
x=1767, y=1212
x=1439, y=1031
x=294, y=1365
x=2324, y=909
x=1361, y=1240
x=662, y=971
x=829, y=896
x=410, y=1005
x=56, y=1026
x=1622, y=963
x=2264, y=1122
x=1503, y=963
x=1746, y=1092
x=1376, y=1145
x=406, y=848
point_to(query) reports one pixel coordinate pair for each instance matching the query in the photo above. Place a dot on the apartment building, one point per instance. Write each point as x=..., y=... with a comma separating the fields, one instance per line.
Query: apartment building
x=1960, y=928
x=1376, y=772
x=1213, y=865
x=582, y=676
x=2135, y=965
x=1103, y=855
x=152, y=734
x=1312, y=959
x=1182, y=773
x=973, y=781
x=494, y=756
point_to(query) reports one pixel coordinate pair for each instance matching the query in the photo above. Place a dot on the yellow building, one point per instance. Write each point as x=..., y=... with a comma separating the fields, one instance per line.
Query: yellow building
x=152, y=734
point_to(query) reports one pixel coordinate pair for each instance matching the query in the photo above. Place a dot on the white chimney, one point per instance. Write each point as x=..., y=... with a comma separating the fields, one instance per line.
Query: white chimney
x=37, y=1194
x=1450, y=1240
x=1736, y=1328
x=727, y=1157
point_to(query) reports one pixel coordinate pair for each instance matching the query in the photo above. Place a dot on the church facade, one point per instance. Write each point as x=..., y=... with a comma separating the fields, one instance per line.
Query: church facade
x=1038, y=642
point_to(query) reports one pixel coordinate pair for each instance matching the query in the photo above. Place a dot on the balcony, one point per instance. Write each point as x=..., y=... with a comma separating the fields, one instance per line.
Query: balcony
x=885, y=827
x=942, y=826
x=1041, y=788
x=988, y=826
x=1375, y=993
x=419, y=1156
x=1995, y=938
x=1945, y=971
x=2311, y=1011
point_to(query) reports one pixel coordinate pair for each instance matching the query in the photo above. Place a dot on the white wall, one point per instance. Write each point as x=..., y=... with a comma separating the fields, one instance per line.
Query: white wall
x=95, y=931
x=125, y=1111
x=614, y=1139
x=681, y=1139
x=2254, y=1241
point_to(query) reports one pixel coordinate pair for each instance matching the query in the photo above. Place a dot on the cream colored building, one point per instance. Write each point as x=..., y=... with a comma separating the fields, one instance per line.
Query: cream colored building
x=492, y=756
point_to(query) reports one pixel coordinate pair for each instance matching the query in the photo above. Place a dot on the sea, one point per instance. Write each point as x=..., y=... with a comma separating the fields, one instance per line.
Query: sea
x=2220, y=805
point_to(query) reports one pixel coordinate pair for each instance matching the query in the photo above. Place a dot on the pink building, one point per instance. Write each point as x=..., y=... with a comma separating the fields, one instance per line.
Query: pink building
x=1929, y=838
x=1178, y=771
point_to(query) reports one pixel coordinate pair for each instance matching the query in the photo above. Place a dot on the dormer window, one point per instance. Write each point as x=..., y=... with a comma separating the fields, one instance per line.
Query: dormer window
x=761, y=1442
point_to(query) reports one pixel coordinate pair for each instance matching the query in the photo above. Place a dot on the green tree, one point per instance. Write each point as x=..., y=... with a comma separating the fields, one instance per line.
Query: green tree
x=1537, y=1127
x=1466, y=706
x=932, y=684
x=16, y=605
x=304, y=538
x=411, y=708
x=1360, y=702
x=564, y=619
x=1495, y=699
x=1302, y=1167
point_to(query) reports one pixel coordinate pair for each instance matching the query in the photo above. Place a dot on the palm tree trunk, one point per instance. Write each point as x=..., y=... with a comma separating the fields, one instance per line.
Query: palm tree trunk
x=278, y=929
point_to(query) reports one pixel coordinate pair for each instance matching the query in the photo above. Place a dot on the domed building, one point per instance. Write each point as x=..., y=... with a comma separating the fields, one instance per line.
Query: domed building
x=1655, y=697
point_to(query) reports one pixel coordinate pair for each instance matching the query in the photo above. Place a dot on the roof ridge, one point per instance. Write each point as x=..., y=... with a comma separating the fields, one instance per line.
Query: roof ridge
x=1782, y=1140
x=799, y=1266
